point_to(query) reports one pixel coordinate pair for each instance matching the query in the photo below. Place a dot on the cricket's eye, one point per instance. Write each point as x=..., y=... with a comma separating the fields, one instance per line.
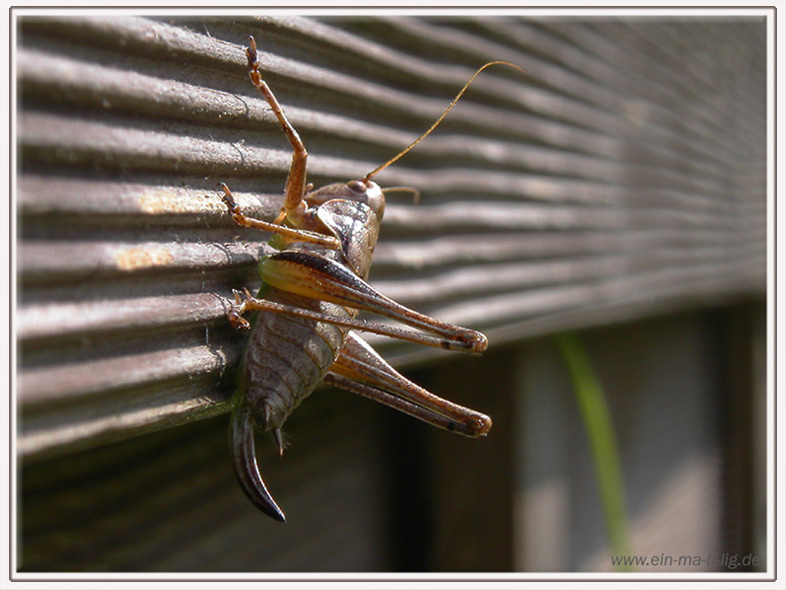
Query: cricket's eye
x=357, y=185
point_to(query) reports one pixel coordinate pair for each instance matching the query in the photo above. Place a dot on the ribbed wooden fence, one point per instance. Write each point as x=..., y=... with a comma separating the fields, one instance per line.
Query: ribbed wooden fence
x=624, y=176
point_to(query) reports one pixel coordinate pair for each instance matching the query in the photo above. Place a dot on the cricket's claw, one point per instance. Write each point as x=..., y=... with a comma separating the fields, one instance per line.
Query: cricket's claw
x=227, y=197
x=251, y=53
x=237, y=321
x=236, y=311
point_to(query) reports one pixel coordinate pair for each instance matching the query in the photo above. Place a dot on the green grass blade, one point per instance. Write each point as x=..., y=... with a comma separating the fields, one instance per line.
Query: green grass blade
x=602, y=441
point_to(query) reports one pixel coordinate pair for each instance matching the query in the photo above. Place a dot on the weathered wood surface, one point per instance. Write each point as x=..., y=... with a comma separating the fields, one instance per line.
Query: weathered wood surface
x=624, y=176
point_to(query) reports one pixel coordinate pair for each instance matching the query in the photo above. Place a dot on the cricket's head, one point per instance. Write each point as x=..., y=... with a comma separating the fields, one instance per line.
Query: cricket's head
x=367, y=192
x=351, y=212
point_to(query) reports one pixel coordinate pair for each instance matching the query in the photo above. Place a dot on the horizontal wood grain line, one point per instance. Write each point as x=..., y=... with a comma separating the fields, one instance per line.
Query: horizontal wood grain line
x=85, y=382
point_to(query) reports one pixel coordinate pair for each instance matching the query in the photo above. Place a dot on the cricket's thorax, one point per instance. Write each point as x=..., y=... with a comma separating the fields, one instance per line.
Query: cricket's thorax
x=356, y=225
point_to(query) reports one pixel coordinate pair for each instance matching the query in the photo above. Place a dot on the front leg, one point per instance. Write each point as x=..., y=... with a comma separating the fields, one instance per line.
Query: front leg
x=294, y=207
x=297, y=235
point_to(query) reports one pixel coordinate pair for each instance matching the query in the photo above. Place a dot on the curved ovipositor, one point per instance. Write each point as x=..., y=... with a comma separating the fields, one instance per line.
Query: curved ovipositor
x=244, y=458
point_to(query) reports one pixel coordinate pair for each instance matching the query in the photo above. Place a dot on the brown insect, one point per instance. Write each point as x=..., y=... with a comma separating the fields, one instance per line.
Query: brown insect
x=306, y=327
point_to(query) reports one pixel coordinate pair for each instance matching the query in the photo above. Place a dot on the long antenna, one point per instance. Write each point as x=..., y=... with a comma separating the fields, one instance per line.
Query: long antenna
x=442, y=116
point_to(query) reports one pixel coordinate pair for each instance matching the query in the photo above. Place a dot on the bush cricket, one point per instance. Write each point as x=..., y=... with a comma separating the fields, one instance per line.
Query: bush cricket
x=306, y=330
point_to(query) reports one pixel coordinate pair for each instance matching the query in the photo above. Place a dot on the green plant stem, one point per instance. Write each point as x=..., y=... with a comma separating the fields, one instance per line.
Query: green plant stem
x=602, y=441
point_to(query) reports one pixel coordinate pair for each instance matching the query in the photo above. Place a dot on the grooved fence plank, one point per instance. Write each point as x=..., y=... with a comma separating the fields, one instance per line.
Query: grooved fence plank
x=624, y=176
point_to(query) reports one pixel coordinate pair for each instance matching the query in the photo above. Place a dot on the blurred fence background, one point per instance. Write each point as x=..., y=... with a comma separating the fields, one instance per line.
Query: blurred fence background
x=618, y=188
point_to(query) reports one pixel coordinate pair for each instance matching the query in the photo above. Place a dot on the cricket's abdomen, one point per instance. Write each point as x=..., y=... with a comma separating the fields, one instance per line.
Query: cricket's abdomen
x=287, y=357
